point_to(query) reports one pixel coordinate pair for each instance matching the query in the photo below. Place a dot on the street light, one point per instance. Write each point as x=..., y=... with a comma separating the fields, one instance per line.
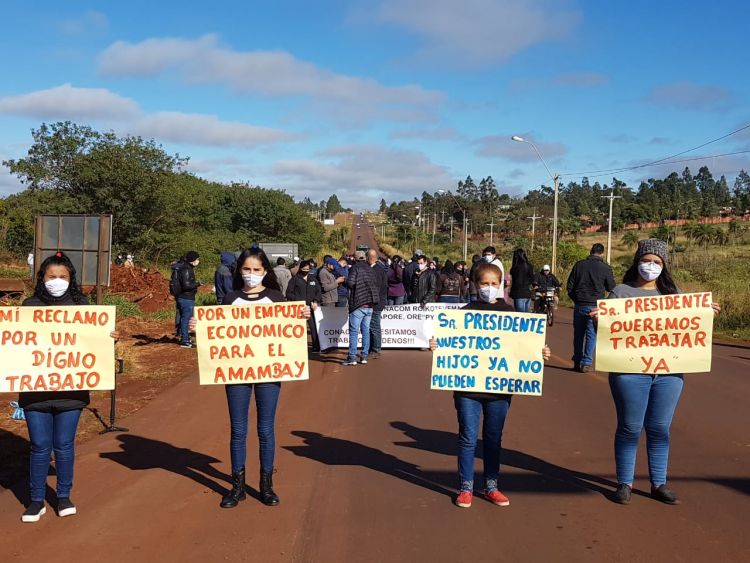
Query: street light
x=466, y=233
x=556, y=180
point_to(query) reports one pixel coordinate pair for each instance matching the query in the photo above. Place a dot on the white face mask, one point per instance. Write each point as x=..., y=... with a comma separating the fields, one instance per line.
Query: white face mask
x=649, y=271
x=422, y=266
x=489, y=258
x=252, y=280
x=57, y=287
x=488, y=293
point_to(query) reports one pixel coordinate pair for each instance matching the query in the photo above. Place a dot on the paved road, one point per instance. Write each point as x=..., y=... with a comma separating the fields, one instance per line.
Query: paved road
x=367, y=470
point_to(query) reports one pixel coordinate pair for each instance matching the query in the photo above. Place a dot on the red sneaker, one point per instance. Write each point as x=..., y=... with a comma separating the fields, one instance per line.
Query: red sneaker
x=464, y=499
x=498, y=498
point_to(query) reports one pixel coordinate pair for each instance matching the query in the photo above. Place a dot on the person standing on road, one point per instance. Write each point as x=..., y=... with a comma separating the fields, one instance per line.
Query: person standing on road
x=522, y=275
x=52, y=417
x=304, y=287
x=492, y=407
x=254, y=282
x=449, y=284
x=283, y=274
x=396, y=289
x=223, y=275
x=364, y=294
x=423, y=283
x=343, y=272
x=588, y=282
x=409, y=272
x=330, y=282
x=187, y=287
x=643, y=400
x=489, y=255
x=376, y=336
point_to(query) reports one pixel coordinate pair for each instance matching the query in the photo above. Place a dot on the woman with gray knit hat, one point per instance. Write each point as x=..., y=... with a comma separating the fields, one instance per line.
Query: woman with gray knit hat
x=644, y=400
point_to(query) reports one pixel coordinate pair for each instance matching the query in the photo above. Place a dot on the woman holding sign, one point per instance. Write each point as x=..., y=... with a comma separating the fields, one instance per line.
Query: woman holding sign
x=52, y=417
x=645, y=400
x=254, y=282
x=471, y=407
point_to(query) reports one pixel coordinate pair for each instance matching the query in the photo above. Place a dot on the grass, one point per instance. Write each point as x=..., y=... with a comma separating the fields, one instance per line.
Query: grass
x=125, y=307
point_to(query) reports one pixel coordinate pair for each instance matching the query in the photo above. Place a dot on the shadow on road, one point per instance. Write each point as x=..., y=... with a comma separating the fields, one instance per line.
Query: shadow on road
x=140, y=454
x=145, y=340
x=542, y=476
x=335, y=451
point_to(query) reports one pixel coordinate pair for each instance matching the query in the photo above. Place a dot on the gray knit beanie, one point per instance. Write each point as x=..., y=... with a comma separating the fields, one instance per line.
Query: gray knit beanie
x=652, y=246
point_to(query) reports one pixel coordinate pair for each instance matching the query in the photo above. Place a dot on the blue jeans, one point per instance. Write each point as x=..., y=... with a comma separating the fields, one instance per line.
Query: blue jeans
x=186, y=307
x=584, y=335
x=469, y=411
x=50, y=431
x=522, y=305
x=376, y=335
x=359, y=319
x=266, y=399
x=177, y=322
x=648, y=401
x=397, y=300
x=449, y=299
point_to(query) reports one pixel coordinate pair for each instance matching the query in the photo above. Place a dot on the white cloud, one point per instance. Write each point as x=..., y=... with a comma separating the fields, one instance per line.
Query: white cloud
x=363, y=174
x=266, y=73
x=436, y=134
x=502, y=146
x=689, y=95
x=90, y=21
x=69, y=102
x=124, y=114
x=481, y=31
x=202, y=129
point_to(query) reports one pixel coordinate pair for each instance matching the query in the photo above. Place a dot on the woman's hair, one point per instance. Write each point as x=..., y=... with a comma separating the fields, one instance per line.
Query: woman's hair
x=305, y=264
x=269, y=280
x=396, y=260
x=484, y=268
x=664, y=283
x=448, y=269
x=521, y=261
x=57, y=259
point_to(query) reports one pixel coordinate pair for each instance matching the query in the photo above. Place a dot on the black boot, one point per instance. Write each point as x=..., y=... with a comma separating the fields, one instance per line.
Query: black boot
x=233, y=497
x=267, y=496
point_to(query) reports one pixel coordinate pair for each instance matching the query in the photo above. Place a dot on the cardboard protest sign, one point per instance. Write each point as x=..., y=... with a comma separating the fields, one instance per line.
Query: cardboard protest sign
x=489, y=352
x=57, y=348
x=256, y=343
x=655, y=335
x=402, y=326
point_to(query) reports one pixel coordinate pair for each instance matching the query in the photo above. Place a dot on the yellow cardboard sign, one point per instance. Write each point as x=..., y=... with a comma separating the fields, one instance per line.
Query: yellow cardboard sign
x=57, y=348
x=255, y=343
x=655, y=335
x=488, y=352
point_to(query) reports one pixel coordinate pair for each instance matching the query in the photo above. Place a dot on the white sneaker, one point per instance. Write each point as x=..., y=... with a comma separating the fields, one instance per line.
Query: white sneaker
x=34, y=512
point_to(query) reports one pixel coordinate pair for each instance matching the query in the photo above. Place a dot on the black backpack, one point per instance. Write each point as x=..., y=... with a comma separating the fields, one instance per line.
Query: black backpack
x=175, y=286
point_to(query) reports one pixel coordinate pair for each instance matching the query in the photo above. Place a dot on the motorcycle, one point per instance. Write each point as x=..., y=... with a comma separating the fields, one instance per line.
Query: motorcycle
x=545, y=303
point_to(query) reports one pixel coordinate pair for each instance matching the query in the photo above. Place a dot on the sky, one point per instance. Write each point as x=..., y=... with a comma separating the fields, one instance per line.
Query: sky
x=372, y=99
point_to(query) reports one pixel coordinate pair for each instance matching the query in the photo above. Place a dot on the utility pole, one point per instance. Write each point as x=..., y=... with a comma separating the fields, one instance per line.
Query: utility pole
x=466, y=236
x=442, y=217
x=491, y=225
x=434, y=225
x=533, y=218
x=611, y=197
x=452, y=220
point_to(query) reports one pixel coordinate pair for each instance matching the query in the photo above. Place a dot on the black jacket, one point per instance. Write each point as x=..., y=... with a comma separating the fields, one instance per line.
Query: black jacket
x=188, y=284
x=407, y=277
x=424, y=287
x=308, y=290
x=50, y=401
x=543, y=282
x=522, y=277
x=381, y=277
x=363, y=286
x=589, y=280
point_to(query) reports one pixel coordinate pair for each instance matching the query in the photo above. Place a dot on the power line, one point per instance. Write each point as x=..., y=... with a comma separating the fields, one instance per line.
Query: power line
x=661, y=160
x=607, y=173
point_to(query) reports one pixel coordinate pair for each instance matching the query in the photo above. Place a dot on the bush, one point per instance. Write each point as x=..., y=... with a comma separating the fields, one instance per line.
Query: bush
x=125, y=307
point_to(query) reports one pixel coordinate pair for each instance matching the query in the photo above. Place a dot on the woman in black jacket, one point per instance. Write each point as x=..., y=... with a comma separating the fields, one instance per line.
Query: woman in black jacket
x=52, y=417
x=304, y=287
x=522, y=275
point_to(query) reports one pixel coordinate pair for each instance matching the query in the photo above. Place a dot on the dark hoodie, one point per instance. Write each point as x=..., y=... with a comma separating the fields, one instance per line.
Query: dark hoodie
x=223, y=275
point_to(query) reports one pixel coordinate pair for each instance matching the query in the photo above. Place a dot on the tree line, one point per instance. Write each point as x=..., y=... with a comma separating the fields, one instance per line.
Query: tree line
x=159, y=209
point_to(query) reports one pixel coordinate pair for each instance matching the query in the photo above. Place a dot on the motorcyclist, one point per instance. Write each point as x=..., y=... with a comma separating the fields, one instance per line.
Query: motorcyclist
x=544, y=280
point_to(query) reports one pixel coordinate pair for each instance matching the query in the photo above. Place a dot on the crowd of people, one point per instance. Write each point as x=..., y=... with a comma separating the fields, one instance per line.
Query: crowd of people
x=366, y=283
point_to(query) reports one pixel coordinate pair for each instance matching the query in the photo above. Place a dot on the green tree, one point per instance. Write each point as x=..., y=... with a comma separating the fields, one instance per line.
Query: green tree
x=383, y=206
x=333, y=205
x=630, y=239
